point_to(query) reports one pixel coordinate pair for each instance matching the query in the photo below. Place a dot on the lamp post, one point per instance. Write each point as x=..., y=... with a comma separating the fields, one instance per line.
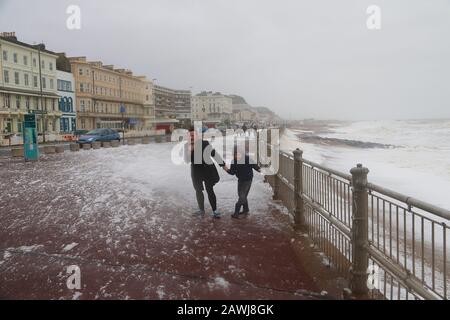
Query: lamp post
x=44, y=118
x=122, y=112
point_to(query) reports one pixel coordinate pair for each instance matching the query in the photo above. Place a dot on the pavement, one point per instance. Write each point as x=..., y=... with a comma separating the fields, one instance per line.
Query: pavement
x=124, y=217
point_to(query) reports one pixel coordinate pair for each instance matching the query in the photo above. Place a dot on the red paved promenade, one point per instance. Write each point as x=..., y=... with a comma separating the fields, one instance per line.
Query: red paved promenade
x=124, y=217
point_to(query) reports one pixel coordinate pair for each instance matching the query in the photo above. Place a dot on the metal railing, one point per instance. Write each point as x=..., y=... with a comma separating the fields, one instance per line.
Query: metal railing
x=387, y=245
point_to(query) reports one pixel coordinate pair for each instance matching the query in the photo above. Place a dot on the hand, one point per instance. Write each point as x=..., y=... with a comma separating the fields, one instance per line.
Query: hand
x=225, y=168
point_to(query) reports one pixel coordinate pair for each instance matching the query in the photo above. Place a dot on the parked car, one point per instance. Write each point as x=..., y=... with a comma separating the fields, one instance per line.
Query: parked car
x=78, y=133
x=99, y=135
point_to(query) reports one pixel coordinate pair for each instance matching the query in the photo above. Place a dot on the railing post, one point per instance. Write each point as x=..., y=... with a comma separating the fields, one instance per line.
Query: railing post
x=276, y=182
x=358, y=277
x=299, y=215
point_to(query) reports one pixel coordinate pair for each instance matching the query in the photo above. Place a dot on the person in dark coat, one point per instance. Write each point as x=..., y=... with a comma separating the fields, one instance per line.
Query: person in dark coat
x=243, y=169
x=200, y=154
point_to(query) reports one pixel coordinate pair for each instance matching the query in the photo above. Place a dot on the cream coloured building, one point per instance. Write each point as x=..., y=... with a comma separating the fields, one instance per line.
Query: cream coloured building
x=103, y=92
x=149, y=101
x=211, y=107
x=20, y=87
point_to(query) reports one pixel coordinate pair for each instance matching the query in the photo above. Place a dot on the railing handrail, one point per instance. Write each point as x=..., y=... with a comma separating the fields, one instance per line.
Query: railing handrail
x=329, y=170
x=324, y=168
x=410, y=201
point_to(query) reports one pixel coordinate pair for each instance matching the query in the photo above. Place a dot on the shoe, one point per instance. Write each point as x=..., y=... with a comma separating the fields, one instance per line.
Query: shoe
x=199, y=213
x=235, y=215
x=216, y=214
x=244, y=212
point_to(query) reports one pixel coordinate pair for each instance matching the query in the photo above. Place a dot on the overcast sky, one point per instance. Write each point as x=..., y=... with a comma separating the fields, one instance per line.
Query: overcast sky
x=302, y=59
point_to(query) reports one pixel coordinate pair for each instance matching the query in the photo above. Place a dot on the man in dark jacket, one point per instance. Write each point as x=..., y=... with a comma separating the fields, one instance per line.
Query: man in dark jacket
x=243, y=170
x=200, y=154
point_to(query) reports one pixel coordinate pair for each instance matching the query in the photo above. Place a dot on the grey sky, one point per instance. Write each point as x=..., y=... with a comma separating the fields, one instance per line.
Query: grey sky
x=303, y=59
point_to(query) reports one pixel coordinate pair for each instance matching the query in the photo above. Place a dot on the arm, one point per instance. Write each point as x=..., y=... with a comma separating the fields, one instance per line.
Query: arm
x=232, y=170
x=215, y=155
x=254, y=165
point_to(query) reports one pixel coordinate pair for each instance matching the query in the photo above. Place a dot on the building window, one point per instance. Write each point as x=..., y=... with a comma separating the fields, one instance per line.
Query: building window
x=16, y=78
x=51, y=66
x=43, y=64
x=44, y=83
x=26, y=80
x=27, y=102
x=7, y=100
x=83, y=124
x=8, y=125
x=6, y=76
x=81, y=87
x=35, y=82
x=18, y=102
x=5, y=55
x=25, y=60
x=70, y=104
x=15, y=57
x=51, y=83
x=34, y=62
x=82, y=106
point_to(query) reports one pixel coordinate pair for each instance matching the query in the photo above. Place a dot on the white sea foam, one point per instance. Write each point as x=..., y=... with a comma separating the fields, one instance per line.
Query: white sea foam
x=419, y=166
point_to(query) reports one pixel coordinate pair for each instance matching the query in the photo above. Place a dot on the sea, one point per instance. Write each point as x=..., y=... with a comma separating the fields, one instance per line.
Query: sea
x=408, y=156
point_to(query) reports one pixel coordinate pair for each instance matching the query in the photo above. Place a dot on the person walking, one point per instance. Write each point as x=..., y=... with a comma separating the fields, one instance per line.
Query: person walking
x=200, y=154
x=243, y=169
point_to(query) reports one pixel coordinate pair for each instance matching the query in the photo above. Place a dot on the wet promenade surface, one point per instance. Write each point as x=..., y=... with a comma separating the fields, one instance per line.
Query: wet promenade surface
x=124, y=217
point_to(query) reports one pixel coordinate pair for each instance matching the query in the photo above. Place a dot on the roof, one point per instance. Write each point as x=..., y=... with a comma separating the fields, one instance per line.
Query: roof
x=31, y=46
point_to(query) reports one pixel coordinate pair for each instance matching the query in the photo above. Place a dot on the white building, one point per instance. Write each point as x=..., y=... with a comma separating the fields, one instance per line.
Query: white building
x=211, y=107
x=23, y=91
x=66, y=85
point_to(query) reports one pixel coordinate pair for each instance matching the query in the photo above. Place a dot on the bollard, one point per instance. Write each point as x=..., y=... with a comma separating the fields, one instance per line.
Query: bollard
x=299, y=215
x=358, y=272
x=106, y=144
x=59, y=149
x=74, y=147
x=115, y=143
x=146, y=140
x=86, y=146
x=49, y=149
x=158, y=139
x=17, y=153
x=96, y=145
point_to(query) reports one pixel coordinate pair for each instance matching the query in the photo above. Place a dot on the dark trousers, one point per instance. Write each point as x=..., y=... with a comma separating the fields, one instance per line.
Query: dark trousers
x=201, y=198
x=243, y=190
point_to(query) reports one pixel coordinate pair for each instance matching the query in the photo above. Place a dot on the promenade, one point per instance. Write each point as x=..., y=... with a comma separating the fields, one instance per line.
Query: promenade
x=123, y=216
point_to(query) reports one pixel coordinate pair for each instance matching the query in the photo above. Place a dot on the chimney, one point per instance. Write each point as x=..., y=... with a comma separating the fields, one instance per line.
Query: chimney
x=8, y=35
